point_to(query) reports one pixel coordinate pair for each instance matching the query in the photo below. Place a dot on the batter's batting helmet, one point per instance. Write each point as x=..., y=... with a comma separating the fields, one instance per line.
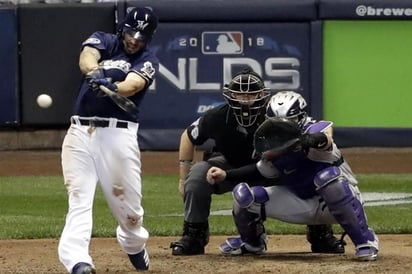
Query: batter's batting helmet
x=247, y=95
x=274, y=137
x=140, y=23
x=287, y=104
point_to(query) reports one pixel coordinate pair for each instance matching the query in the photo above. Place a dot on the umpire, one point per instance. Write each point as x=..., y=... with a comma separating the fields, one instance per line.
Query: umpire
x=231, y=126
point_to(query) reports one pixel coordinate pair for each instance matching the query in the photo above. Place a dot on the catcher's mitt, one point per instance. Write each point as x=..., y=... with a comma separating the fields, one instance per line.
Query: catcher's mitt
x=276, y=136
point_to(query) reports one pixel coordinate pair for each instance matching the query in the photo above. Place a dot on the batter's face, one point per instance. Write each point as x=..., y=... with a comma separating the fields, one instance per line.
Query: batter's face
x=132, y=45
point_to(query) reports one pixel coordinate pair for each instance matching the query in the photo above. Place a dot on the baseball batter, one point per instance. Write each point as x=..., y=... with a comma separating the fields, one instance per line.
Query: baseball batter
x=318, y=185
x=101, y=143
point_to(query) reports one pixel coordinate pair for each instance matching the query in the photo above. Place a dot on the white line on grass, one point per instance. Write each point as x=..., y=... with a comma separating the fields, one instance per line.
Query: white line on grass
x=370, y=199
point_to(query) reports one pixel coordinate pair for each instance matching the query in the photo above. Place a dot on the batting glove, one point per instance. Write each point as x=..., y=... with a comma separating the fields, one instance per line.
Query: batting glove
x=96, y=73
x=95, y=83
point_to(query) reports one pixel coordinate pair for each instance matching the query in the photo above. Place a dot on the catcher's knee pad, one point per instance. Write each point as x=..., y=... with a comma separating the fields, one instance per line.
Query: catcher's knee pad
x=331, y=185
x=245, y=196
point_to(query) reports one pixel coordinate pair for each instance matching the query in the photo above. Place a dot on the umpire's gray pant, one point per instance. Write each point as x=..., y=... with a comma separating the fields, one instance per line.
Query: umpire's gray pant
x=198, y=192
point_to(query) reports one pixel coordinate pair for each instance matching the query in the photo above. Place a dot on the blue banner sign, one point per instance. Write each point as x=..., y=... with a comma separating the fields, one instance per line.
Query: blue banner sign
x=198, y=59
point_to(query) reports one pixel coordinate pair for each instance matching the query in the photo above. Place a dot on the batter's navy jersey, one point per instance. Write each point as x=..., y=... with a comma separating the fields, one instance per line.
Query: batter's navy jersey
x=116, y=64
x=233, y=141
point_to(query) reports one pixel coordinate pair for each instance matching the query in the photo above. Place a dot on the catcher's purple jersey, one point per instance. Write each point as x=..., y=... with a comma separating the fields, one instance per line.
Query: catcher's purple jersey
x=298, y=169
x=116, y=64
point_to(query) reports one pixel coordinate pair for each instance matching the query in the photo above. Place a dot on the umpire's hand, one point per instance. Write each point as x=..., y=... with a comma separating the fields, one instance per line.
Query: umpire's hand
x=215, y=175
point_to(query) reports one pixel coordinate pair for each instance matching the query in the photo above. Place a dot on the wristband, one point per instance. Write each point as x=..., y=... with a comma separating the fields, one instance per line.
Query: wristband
x=185, y=162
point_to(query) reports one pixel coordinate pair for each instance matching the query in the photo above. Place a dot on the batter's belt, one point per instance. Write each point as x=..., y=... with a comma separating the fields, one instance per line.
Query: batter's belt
x=98, y=123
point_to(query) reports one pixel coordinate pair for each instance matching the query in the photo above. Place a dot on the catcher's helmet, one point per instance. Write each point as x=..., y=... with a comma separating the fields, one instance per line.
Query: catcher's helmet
x=247, y=95
x=287, y=104
x=140, y=23
x=274, y=137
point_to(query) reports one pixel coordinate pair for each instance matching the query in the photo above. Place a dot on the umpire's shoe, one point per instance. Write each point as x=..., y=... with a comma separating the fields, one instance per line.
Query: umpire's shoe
x=140, y=260
x=83, y=268
x=195, y=238
x=322, y=239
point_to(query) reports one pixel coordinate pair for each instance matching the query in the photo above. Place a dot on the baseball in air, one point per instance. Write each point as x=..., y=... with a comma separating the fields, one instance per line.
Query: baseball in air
x=44, y=100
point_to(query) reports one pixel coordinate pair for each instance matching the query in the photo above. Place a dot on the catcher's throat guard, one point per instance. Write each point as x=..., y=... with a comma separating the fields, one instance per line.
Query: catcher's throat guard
x=274, y=137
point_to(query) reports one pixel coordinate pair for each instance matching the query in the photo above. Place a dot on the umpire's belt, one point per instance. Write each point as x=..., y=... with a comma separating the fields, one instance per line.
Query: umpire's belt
x=98, y=123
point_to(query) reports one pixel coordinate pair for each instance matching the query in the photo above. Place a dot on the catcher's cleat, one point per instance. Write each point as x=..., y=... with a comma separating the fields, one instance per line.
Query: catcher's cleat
x=187, y=246
x=83, y=268
x=322, y=240
x=140, y=260
x=235, y=246
x=368, y=251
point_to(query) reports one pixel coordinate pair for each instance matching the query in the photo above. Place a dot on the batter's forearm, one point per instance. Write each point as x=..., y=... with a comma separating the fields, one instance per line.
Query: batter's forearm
x=132, y=84
x=89, y=59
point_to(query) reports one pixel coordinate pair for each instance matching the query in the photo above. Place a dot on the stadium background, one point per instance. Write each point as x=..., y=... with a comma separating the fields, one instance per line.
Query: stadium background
x=348, y=58
x=353, y=69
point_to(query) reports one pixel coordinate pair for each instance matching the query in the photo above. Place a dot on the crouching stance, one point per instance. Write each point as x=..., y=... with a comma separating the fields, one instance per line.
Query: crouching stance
x=318, y=187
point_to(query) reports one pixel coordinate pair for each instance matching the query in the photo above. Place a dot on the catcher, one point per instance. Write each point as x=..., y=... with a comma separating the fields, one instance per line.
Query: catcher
x=317, y=184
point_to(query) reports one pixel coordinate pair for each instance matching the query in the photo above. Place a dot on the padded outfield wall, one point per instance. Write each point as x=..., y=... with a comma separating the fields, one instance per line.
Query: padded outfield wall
x=337, y=58
x=366, y=71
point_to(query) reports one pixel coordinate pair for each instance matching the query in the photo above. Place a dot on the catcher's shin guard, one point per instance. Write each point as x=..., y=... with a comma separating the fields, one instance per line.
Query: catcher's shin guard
x=250, y=226
x=322, y=240
x=346, y=208
x=195, y=238
x=249, y=214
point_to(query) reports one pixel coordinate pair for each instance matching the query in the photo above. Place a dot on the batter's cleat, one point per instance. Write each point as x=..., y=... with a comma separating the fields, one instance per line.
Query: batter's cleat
x=322, y=240
x=83, y=268
x=368, y=251
x=187, y=246
x=140, y=260
x=235, y=246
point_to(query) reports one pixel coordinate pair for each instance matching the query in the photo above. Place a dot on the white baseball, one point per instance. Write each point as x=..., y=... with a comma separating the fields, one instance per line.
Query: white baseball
x=44, y=100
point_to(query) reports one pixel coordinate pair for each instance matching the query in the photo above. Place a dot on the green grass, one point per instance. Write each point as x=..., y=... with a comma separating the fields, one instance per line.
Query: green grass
x=35, y=207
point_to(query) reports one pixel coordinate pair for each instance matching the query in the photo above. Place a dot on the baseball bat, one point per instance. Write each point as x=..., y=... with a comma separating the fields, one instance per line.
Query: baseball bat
x=123, y=102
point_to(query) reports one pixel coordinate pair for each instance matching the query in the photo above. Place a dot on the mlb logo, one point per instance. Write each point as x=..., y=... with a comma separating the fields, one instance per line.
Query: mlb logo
x=222, y=42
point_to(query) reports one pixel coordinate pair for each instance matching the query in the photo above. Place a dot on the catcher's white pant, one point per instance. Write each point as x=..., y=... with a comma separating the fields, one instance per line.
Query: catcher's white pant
x=111, y=156
x=284, y=205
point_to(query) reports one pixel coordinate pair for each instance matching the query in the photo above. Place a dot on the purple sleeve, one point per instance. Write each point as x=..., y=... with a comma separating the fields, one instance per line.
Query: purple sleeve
x=318, y=127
